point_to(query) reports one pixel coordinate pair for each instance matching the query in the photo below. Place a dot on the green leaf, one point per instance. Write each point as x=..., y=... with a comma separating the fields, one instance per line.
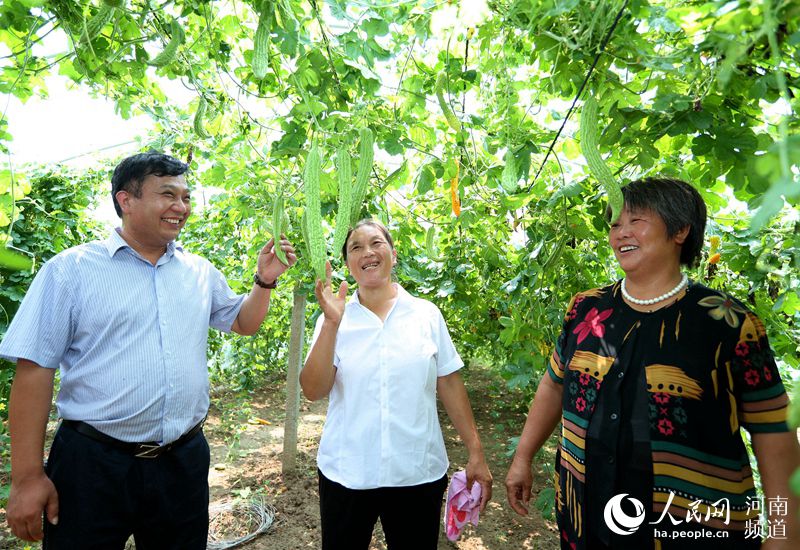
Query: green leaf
x=446, y=289
x=375, y=27
x=773, y=201
x=425, y=179
x=788, y=303
x=399, y=177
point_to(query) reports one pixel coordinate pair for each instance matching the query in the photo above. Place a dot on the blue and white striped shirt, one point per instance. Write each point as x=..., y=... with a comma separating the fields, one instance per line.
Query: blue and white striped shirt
x=130, y=337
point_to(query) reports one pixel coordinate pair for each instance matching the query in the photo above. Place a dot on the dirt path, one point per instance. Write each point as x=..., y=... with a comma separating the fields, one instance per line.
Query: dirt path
x=257, y=470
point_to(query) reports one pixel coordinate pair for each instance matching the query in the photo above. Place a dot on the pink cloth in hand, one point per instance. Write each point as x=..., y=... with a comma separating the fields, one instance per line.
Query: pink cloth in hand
x=463, y=505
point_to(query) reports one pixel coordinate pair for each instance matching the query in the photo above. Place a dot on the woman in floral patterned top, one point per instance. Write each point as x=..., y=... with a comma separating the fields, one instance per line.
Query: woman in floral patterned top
x=651, y=379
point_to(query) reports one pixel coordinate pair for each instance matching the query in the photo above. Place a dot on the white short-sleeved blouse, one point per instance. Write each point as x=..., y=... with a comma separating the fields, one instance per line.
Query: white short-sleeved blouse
x=382, y=427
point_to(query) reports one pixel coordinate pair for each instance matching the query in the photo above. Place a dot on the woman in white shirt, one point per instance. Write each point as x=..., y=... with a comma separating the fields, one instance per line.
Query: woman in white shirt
x=382, y=357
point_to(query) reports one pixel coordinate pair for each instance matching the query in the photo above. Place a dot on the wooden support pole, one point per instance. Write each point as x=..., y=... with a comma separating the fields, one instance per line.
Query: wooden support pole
x=296, y=339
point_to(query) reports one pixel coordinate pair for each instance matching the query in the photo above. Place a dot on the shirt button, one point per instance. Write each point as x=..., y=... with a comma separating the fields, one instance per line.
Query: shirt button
x=620, y=375
x=611, y=460
x=613, y=416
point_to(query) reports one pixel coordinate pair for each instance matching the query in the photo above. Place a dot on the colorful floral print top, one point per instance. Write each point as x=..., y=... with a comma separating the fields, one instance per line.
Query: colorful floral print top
x=679, y=383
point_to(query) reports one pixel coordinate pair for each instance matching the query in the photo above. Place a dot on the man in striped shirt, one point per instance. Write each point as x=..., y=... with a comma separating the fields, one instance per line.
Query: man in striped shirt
x=126, y=320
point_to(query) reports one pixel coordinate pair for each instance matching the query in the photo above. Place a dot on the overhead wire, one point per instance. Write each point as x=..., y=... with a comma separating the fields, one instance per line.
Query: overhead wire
x=597, y=56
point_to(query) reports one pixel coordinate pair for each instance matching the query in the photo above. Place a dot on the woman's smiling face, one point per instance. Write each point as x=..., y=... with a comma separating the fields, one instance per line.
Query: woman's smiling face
x=370, y=256
x=641, y=243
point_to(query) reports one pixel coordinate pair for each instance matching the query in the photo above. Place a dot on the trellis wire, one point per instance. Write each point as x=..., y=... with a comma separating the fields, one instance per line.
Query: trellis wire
x=257, y=511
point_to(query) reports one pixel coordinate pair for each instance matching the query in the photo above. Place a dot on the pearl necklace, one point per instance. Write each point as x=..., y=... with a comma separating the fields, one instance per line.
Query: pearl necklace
x=670, y=294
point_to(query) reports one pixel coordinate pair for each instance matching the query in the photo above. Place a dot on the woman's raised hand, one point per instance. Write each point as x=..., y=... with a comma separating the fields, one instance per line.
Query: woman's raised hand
x=332, y=304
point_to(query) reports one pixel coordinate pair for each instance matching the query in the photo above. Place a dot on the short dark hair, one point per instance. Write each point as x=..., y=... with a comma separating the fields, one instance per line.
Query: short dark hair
x=129, y=175
x=677, y=203
x=367, y=221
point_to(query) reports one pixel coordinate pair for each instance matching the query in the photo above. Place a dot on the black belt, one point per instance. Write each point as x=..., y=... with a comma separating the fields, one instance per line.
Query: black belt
x=139, y=450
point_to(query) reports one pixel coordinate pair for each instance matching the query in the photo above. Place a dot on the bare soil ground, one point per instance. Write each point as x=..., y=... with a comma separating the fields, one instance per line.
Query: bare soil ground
x=252, y=467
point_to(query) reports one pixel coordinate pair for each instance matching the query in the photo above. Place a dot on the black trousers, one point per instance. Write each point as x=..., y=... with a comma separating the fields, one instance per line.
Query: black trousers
x=106, y=495
x=410, y=516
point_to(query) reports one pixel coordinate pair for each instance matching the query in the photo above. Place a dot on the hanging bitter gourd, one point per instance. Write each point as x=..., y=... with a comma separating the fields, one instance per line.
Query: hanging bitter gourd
x=261, y=43
x=278, y=219
x=555, y=254
x=304, y=231
x=170, y=51
x=597, y=166
x=197, y=123
x=430, y=239
x=431, y=249
x=316, y=240
x=365, y=156
x=101, y=18
x=14, y=260
x=344, y=175
x=451, y=117
x=508, y=179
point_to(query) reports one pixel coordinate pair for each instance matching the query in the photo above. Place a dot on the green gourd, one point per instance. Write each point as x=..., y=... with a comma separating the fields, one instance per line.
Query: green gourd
x=344, y=173
x=261, y=45
x=452, y=119
x=278, y=216
x=597, y=166
x=170, y=51
x=430, y=245
x=316, y=239
x=14, y=260
x=509, y=178
x=304, y=230
x=197, y=123
x=103, y=16
x=366, y=154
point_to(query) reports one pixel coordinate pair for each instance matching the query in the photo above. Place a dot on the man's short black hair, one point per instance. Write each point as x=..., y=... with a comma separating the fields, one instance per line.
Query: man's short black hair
x=129, y=175
x=678, y=204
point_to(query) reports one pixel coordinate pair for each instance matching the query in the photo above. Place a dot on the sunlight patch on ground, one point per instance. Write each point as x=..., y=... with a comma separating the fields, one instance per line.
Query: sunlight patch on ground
x=473, y=543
